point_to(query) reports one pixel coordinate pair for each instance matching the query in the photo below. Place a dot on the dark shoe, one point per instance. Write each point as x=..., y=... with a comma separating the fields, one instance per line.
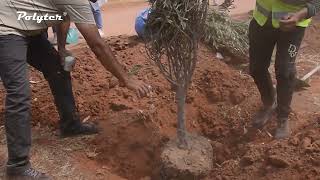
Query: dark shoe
x=283, y=130
x=29, y=174
x=263, y=116
x=80, y=129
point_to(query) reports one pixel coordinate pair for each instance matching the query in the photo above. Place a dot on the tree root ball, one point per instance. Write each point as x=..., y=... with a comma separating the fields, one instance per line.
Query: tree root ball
x=194, y=162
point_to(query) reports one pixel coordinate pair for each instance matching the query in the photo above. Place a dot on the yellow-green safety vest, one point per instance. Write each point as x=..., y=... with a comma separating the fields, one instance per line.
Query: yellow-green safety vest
x=278, y=9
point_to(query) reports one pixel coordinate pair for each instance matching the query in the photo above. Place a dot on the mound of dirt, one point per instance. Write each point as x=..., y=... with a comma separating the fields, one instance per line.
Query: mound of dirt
x=312, y=36
x=130, y=144
x=219, y=101
x=220, y=104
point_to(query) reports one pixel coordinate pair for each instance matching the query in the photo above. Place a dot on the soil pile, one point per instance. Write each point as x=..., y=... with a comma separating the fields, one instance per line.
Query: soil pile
x=220, y=104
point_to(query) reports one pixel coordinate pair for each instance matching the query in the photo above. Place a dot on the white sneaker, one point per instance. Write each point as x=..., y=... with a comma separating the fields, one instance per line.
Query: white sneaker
x=101, y=33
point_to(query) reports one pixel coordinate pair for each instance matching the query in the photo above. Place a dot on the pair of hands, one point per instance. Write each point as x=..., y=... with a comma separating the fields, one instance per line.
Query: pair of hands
x=289, y=22
x=139, y=87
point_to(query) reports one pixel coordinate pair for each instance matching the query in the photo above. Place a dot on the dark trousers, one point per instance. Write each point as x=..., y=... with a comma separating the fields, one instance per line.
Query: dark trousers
x=263, y=40
x=16, y=53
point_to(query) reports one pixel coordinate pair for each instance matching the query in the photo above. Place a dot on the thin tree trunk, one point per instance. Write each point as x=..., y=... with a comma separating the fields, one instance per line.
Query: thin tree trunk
x=181, y=129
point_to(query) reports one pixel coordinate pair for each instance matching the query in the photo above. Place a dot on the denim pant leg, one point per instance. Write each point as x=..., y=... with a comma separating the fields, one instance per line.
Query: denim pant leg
x=97, y=15
x=14, y=74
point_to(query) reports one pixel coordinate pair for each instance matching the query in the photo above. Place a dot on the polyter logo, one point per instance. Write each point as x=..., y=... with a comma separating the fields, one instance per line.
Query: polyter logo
x=22, y=15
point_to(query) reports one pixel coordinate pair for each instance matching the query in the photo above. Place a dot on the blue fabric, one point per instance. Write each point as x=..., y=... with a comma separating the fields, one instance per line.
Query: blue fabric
x=140, y=24
x=97, y=14
x=72, y=36
x=95, y=6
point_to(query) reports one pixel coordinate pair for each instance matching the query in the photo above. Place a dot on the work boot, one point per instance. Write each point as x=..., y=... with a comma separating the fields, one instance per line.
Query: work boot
x=263, y=116
x=78, y=129
x=283, y=129
x=28, y=174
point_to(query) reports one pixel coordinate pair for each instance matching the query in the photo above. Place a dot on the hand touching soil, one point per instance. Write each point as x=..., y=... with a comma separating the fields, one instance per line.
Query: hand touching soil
x=142, y=89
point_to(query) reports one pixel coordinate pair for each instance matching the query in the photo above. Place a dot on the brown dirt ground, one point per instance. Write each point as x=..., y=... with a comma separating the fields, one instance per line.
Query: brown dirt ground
x=220, y=104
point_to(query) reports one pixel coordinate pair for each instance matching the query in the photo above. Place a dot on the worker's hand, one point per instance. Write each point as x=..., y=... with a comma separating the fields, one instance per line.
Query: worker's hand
x=289, y=22
x=142, y=89
x=63, y=53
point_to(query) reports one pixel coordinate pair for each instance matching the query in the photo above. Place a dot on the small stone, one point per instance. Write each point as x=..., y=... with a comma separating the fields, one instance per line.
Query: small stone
x=236, y=97
x=316, y=146
x=189, y=99
x=113, y=82
x=294, y=141
x=126, y=95
x=91, y=155
x=146, y=178
x=88, y=68
x=247, y=161
x=219, y=56
x=306, y=142
x=307, y=145
x=315, y=160
x=118, y=107
x=278, y=161
x=218, y=177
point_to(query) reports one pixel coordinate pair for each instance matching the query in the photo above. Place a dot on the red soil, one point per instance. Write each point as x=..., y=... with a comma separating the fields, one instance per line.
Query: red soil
x=220, y=104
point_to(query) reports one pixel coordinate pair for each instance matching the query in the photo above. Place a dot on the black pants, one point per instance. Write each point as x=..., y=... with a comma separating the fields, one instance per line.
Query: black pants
x=262, y=43
x=15, y=53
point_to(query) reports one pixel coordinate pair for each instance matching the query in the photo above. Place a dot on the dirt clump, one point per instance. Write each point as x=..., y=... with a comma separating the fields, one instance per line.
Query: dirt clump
x=194, y=162
x=130, y=144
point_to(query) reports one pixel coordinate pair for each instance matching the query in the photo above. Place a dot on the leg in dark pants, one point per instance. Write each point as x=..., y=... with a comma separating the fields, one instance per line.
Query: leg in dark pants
x=44, y=57
x=13, y=72
x=262, y=42
x=288, y=45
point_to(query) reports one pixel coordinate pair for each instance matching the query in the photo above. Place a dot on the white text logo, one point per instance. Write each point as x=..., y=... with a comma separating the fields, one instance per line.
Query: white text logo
x=293, y=50
x=39, y=18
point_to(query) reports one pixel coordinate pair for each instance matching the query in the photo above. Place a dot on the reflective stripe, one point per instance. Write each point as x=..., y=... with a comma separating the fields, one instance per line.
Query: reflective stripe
x=262, y=10
x=278, y=9
x=265, y=12
x=279, y=15
x=295, y=2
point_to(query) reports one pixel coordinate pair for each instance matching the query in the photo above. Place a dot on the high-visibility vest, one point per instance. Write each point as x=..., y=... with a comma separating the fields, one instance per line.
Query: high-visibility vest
x=278, y=9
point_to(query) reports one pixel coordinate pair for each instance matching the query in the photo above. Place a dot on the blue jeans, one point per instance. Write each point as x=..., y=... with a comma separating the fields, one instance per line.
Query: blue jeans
x=97, y=14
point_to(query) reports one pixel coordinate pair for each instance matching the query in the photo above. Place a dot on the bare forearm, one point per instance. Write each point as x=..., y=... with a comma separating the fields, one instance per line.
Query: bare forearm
x=62, y=32
x=102, y=51
x=109, y=61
